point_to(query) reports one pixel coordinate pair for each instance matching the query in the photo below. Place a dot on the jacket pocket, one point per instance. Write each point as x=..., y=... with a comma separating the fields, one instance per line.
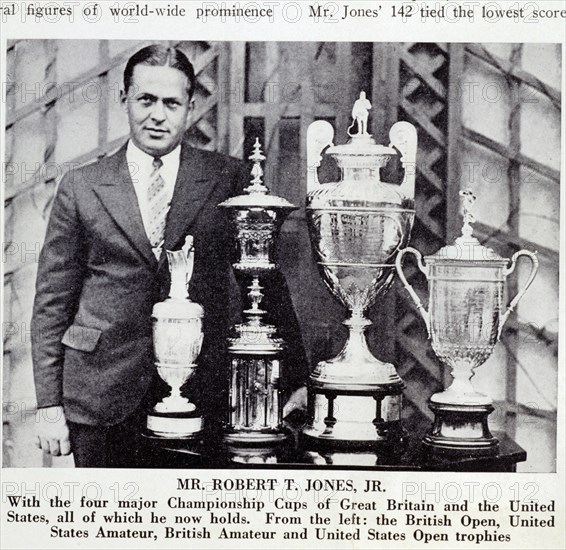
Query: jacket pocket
x=81, y=338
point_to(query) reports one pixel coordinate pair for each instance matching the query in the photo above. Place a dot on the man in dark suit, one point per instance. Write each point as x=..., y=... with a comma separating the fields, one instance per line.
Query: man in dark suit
x=102, y=269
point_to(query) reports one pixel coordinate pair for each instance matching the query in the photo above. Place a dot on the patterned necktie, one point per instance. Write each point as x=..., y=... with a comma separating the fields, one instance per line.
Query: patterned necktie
x=158, y=205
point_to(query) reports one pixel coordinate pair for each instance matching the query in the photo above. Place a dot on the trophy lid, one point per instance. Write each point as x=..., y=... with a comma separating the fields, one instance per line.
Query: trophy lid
x=467, y=248
x=256, y=194
x=361, y=145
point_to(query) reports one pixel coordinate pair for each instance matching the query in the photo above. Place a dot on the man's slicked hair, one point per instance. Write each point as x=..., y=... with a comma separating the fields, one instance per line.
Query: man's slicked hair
x=157, y=55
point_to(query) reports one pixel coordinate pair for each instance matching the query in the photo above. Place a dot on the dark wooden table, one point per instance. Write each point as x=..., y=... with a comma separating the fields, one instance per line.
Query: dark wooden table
x=409, y=454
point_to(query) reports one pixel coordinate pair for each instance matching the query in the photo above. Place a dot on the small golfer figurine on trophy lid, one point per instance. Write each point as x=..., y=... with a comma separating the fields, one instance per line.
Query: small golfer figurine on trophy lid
x=464, y=320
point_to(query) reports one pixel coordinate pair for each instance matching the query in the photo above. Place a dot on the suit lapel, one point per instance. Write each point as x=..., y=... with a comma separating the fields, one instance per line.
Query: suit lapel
x=118, y=196
x=192, y=189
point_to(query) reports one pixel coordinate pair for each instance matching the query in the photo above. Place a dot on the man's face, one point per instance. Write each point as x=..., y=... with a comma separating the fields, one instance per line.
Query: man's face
x=158, y=108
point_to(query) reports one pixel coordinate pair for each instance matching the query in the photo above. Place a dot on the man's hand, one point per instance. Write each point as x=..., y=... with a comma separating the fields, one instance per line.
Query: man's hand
x=52, y=431
x=297, y=402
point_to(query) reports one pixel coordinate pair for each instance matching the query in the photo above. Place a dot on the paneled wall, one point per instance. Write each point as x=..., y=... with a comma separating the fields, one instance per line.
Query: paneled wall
x=488, y=118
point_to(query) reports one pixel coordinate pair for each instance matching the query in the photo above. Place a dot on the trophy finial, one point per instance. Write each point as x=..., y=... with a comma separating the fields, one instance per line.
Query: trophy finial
x=360, y=114
x=254, y=314
x=468, y=200
x=256, y=184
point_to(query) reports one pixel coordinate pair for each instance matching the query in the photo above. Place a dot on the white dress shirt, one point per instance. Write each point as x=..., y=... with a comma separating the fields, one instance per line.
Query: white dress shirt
x=140, y=165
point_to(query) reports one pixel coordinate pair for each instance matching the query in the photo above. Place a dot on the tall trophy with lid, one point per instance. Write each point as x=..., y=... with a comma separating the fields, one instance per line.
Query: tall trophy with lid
x=465, y=317
x=357, y=225
x=255, y=349
x=177, y=341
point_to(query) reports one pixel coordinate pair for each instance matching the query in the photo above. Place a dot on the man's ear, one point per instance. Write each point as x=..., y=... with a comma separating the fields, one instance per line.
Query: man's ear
x=124, y=100
x=190, y=112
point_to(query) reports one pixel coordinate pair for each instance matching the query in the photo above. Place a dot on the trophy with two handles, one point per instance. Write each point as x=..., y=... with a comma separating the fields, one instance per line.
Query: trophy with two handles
x=357, y=226
x=464, y=320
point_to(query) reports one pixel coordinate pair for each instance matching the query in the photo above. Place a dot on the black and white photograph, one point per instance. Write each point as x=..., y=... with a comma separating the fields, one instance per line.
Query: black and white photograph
x=284, y=274
x=281, y=254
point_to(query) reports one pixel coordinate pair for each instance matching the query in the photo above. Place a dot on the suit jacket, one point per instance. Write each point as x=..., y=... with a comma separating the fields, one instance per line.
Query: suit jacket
x=98, y=280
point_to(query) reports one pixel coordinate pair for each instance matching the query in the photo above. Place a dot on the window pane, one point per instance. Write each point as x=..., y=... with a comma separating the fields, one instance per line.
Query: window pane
x=539, y=306
x=77, y=126
x=543, y=61
x=486, y=101
x=31, y=60
x=540, y=128
x=485, y=173
x=539, y=218
x=290, y=167
x=75, y=57
x=255, y=72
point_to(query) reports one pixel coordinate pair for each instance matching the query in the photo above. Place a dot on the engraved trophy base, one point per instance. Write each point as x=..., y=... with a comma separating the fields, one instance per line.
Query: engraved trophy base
x=461, y=429
x=354, y=418
x=175, y=425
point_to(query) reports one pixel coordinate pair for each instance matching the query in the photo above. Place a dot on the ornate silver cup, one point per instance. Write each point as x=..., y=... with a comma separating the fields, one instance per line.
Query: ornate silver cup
x=357, y=225
x=255, y=397
x=464, y=320
x=177, y=341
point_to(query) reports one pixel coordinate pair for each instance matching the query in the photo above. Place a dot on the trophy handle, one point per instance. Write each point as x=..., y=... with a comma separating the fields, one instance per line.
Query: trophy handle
x=399, y=265
x=189, y=252
x=181, y=263
x=534, y=268
x=403, y=136
x=320, y=134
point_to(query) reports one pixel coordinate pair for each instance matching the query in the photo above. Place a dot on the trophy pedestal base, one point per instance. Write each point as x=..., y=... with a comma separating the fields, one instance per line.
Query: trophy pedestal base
x=348, y=418
x=252, y=438
x=461, y=429
x=174, y=425
x=255, y=447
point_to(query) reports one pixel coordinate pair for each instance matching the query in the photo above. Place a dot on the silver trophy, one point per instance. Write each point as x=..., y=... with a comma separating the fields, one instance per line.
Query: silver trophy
x=357, y=225
x=465, y=317
x=177, y=341
x=255, y=350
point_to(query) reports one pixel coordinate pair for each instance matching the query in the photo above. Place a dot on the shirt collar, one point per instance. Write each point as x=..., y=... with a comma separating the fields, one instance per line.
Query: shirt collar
x=136, y=156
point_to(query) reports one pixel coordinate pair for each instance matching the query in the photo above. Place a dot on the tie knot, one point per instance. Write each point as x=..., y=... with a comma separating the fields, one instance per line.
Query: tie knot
x=157, y=163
